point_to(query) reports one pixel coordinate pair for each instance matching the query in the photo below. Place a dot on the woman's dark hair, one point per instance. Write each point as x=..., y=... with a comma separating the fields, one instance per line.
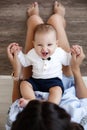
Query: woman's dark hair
x=39, y=115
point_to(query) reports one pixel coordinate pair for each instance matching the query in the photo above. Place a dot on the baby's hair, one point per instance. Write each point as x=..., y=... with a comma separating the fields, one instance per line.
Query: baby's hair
x=44, y=28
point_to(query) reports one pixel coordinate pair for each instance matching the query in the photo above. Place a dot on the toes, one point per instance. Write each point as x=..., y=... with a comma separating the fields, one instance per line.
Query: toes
x=29, y=9
x=33, y=9
x=35, y=4
x=59, y=8
x=56, y=4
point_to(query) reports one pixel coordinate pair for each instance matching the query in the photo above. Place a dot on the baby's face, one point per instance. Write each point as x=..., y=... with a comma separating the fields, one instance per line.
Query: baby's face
x=45, y=44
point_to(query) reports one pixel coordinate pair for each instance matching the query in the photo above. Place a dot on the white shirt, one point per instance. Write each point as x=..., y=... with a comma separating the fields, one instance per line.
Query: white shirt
x=45, y=69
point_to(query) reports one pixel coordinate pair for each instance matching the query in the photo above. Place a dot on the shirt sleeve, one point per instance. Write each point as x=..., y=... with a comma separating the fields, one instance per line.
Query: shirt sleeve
x=65, y=57
x=24, y=59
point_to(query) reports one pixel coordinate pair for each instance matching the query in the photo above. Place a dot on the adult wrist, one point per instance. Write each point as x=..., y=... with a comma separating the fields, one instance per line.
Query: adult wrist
x=15, y=77
x=76, y=71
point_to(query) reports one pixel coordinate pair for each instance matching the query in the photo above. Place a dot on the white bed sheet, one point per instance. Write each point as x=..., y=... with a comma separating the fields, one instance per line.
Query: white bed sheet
x=77, y=108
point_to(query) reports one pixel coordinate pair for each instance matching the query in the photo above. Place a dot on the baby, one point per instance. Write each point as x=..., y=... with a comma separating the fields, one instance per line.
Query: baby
x=46, y=59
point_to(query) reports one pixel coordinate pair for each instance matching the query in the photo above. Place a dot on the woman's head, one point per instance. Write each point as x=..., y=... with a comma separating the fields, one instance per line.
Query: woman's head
x=42, y=116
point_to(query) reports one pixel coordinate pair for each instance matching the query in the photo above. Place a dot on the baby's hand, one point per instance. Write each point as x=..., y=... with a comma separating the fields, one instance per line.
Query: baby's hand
x=76, y=49
x=15, y=48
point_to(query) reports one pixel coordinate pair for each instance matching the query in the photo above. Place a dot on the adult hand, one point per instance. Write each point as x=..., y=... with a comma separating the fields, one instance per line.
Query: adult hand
x=14, y=60
x=77, y=57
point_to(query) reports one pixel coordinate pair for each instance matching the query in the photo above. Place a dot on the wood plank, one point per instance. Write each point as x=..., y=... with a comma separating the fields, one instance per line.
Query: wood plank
x=13, y=25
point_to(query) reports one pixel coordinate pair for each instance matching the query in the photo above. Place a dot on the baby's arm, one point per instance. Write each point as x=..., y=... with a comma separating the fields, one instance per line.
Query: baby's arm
x=15, y=51
x=75, y=49
x=23, y=58
x=15, y=48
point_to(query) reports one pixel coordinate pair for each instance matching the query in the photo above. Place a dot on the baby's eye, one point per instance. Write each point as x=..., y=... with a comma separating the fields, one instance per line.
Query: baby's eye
x=39, y=44
x=49, y=44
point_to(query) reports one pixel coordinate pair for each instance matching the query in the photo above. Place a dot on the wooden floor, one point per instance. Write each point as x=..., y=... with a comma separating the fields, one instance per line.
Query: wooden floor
x=13, y=25
x=5, y=98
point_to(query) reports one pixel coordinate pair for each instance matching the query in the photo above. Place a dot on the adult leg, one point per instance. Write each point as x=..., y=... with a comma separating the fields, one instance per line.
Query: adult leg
x=34, y=19
x=32, y=22
x=57, y=20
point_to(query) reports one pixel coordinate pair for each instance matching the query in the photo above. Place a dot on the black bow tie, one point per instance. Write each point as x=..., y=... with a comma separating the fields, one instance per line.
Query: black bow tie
x=49, y=58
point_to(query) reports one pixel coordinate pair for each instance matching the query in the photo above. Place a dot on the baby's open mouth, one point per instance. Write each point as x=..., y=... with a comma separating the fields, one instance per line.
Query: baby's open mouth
x=44, y=54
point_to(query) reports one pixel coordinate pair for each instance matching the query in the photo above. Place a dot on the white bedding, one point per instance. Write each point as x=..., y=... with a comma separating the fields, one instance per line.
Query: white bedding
x=77, y=108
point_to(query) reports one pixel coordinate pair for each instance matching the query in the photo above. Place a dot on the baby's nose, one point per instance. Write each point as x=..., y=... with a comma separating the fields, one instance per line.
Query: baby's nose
x=44, y=48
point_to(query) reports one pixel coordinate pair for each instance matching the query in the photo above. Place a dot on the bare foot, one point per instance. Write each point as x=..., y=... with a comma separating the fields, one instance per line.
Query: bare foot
x=33, y=9
x=23, y=102
x=59, y=8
